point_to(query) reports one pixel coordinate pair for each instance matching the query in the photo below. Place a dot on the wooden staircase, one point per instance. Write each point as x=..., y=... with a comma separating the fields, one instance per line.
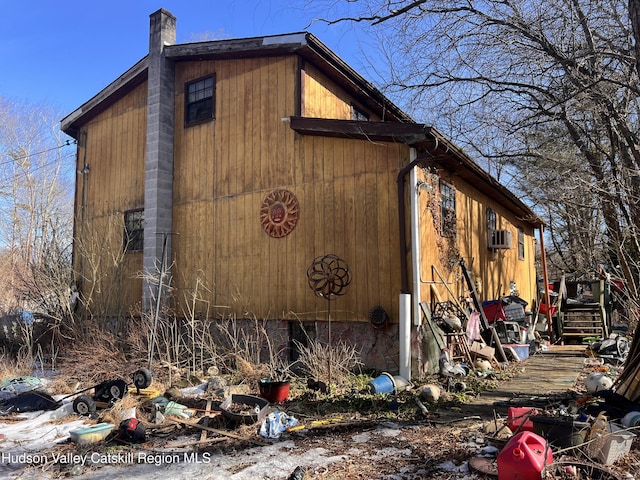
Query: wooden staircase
x=581, y=321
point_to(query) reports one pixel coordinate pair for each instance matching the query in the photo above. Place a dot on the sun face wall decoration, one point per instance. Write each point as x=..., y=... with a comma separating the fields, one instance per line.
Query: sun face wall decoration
x=279, y=213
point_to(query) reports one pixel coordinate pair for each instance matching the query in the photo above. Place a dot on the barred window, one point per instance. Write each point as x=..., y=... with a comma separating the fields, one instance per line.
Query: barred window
x=133, y=231
x=448, y=199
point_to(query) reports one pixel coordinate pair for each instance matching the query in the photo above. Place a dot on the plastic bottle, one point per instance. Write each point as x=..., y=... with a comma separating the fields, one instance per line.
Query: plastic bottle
x=524, y=457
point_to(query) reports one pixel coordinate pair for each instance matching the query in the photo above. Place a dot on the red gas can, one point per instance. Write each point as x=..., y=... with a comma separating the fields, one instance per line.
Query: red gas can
x=518, y=418
x=524, y=457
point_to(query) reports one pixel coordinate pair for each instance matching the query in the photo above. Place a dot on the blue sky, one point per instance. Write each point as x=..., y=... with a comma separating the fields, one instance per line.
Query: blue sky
x=64, y=52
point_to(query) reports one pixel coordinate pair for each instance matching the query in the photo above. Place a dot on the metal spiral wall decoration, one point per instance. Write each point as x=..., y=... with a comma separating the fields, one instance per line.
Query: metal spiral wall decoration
x=329, y=277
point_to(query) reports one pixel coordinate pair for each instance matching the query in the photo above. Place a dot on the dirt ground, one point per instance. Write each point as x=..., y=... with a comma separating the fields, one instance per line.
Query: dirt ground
x=338, y=437
x=439, y=445
x=437, y=452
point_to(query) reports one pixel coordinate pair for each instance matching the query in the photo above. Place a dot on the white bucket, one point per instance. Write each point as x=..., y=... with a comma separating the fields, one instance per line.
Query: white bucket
x=524, y=335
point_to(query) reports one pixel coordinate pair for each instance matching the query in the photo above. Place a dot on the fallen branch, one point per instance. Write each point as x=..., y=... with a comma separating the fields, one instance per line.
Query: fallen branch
x=219, y=432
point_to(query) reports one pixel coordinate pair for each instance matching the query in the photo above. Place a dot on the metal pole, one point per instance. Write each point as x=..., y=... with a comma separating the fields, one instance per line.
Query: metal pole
x=155, y=321
x=545, y=279
x=329, y=337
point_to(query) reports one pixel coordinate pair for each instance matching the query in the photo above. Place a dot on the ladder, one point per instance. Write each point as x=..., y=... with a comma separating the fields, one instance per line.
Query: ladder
x=484, y=323
x=459, y=348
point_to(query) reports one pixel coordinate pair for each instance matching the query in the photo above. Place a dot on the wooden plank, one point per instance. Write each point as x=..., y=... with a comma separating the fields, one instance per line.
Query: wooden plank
x=330, y=207
x=261, y=77
x=244, y=126
x=229, y=140
x=361, y=265
x=239, y=137
x=219, y=432
x=350, y=213
x=273, y=161
x=203, y=435
x=371, y=239
x=286, y=108
x=435, y=293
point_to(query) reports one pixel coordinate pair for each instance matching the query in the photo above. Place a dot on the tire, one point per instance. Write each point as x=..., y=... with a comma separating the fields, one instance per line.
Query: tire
x=117, y=390
x=142, y=378
x=110, y=391
x=84, y=405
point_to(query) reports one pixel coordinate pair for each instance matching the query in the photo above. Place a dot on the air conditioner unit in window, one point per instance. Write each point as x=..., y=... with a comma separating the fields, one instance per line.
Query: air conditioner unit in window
x=500, y=239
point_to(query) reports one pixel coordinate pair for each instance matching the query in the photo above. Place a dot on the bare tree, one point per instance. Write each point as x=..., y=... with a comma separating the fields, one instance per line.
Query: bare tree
x=545, y=94
x=36, y=206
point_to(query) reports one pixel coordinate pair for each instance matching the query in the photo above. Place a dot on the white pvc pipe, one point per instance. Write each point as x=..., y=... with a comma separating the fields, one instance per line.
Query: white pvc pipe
x=405, y=298
x=405, y=336
x=415, y=243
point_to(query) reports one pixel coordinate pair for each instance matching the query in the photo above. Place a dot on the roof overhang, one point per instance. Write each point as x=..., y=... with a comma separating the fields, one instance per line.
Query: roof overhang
x=116, y=90
x=309, y=48
x=304, y=44
x=434, y=148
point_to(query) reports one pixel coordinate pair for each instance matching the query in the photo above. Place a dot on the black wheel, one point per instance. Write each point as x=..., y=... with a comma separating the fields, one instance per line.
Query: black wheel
x=84, y=405
x=142, y=378
x=117, y=389
x=110, y=391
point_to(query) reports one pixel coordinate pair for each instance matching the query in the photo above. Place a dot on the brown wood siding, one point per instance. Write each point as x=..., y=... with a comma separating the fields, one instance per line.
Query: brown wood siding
x=224, y=169
x=346, y=190
x=495, y=269
x=114, y=149
x=323, y=98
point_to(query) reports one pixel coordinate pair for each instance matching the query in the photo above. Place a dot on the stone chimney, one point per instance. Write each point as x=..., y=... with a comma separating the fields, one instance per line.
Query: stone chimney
x=158, y=189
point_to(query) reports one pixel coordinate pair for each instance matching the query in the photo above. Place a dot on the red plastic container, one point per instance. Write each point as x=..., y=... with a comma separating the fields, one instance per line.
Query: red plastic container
x=275, y=392
x=543, y=309
x=524, y=457
x=518, y=418
x=493, y=310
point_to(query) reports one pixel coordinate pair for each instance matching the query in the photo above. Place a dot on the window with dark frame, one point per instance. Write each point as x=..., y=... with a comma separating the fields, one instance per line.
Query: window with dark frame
x=133, y=231
x=199, y=101
x=492, y=223
x=359, y=115
x=448, y=199
x=520, y=243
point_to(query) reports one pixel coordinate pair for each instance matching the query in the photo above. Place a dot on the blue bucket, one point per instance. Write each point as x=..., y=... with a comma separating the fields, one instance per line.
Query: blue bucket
x=385, y=383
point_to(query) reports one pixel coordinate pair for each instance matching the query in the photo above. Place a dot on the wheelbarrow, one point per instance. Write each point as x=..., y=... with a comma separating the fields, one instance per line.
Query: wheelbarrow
x=107, y=392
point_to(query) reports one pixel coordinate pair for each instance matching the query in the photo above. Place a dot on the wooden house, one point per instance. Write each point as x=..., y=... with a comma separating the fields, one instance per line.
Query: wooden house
x=236, y=164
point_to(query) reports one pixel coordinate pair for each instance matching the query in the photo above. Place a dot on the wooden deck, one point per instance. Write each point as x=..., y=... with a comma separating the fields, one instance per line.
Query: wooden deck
x=545, y=374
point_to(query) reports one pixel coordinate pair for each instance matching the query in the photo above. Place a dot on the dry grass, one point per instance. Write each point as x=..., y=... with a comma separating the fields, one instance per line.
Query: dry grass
x=121, y=410
x=242, y=351
x=15, y=367
x=342, y=359
x=97, y=358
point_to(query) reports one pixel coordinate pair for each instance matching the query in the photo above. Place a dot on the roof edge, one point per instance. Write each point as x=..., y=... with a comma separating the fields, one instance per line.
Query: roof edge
x=357, y=80
x=231, y=47
x=106, y=96
x=304, y=44
x=437, y=148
